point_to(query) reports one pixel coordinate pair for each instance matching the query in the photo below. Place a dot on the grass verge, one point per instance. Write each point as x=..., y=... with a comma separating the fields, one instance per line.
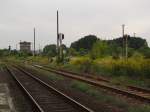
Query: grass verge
x=107, y=99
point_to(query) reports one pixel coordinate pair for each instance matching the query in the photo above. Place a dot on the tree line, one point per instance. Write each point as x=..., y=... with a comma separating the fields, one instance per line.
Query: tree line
x=94, y=47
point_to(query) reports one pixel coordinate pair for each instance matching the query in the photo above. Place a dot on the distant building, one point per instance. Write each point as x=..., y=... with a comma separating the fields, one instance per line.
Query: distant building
x=25, y=46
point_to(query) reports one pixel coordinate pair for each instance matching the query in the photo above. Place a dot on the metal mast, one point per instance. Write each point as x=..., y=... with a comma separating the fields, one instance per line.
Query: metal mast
x=127, y=46
x=134, y=34
x=123, y=26
x=34, y=43
x=57, y=32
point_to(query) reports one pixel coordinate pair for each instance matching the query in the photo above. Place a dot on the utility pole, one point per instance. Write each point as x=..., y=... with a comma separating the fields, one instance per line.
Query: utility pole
x=126, y=42
x=34, y=43
x=39, y=49
x=134, y=34
x=123, y=41
x=60, y=37
x=57, y=32
x=9, y=48
x=16, y=47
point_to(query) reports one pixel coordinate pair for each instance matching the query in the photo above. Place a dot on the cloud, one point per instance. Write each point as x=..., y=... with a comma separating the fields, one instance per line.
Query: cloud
x=77, y=19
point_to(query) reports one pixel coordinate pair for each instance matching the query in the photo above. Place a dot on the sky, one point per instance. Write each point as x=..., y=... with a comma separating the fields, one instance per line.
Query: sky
x=78, y=18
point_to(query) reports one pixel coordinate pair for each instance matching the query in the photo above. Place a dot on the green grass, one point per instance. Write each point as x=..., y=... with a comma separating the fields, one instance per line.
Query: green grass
x=133, y=71
x=107, y=99
x=49, y=75
x=80, y=86
x=2, y=65
x=125, y=80
x=144, y=108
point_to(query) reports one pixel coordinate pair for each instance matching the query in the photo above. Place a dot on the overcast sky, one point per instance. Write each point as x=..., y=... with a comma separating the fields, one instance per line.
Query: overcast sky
x=77, y=19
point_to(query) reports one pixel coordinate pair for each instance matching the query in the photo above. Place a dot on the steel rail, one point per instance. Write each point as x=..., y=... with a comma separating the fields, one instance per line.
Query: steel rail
x=140, y=89
x=97, y=83
x=57, y=91
x=25, y=90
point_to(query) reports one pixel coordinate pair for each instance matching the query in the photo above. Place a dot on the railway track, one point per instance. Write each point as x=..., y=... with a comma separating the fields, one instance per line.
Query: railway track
x=129, y=91
x=79, y=74
x=43, y=96
x=133, y=89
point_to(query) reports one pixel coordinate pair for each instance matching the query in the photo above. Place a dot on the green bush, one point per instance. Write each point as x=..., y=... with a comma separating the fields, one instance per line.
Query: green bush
x=80, y=86
x=132, y=67
x=84, y=64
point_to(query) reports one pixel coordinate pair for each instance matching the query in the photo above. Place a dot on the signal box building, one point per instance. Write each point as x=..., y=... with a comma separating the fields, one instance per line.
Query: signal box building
x=25, y=46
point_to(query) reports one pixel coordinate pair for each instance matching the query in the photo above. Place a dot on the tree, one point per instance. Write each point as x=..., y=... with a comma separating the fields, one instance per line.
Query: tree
x=145, y=51
x=83, y=52
x=85, y=43
x=114, y=50
x=72, y=52
x=24, y=54
x=50, y=50
x=4, y=52
x=64, y=47
x=100, y=49
x=133, y=42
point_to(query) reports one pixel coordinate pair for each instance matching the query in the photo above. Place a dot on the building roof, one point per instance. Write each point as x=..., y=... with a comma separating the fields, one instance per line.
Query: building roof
x=24, y=42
